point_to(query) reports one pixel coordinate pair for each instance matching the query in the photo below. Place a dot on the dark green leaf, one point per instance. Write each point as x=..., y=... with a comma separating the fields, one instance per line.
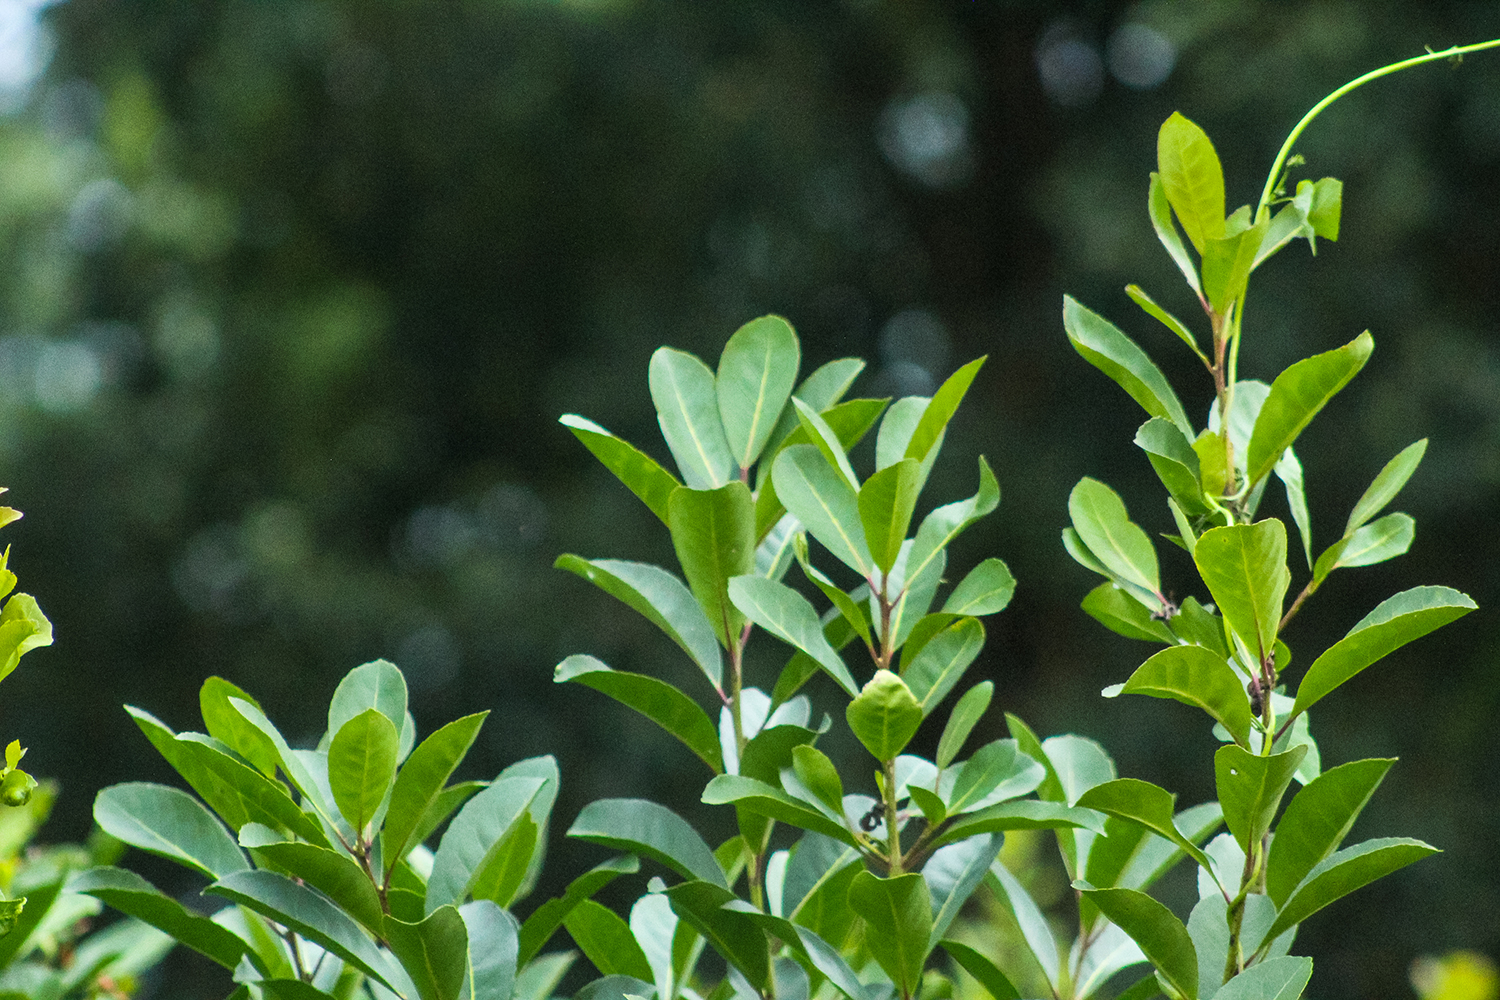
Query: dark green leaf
x=982, y=969
x=652, y=830
x=1192, y=179
x=333, y=873
x=687, y=408
x=757, y=370
x=1296, y=396
x=962, y=720
x=658, y=701
x=1102, y=344
x=606, y=941
x=942, y=662
x=1144, y=803
x=898, y=924
x=633, y=467
x=1244, y=566
x=435, y=952
x=171, y=823
x=132, y=895
x=1344, y=871
x=1161, y=936
x=421, y=782
x=1250, y=789
x=734, y=935
x=1317, y=820
x=713, y=532
x=1199, y=677
x=545, y=919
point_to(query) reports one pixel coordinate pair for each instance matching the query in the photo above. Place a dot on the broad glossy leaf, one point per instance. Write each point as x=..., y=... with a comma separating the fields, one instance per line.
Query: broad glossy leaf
x=662, y=598
x=1344, y=871
x=885, y=715
x=295, y=764
x=818, y=775
x=228, y=726
x=170, y=823
x=1021, y=814
x=652, y=830
x=421, y=782
x=687, y=408
x=1176, y=463
x=1289, y=223
x=1102, y=523
x=1327, y=205
x=1200, y=626
x=917, y=582
x=940, y=410
x=638, y=471
x=962, y=720
x=986, y=590
x=766, y=800
x=886, y=502
x=818, y=496
x=1160, y=935
x=547, y=918
x=1396, y=621
x=1386, y=485
x=1198, y=677
x=1297, y=395
x=435, y=952
x=1156, y=855
x=307, y=912
x=1161, y=220
x=896, y=429
x=1244, y=566
x=606, y=941
x=334, y=873
x=1382, y=539
x=1192, y=179
x=615, y=988
x=942, y=661
x=845, y=604
x=1227, y=263
x=1317, y=820
x=1102, y=344
x=1108, y=952
x=1118, y=612
x=1146, y=302
x=380, y=685
x=23, y=627
x=1277, y=979
x=1141, y=802
x=1250, y=789
x=362, y=767
x=997, y=771
x=821, y=390
x=132, y=895
x=734, y=935
x=898, y=924
x=849, y=421
x=757, y=370
x=989, y=976
x=658, y=701
x=1035, y=930
x=713, y=532
x=952, y=874
x=470, y=858
x=824, y=438
x=1289, y=470
x=786, y=614
x=654, y=926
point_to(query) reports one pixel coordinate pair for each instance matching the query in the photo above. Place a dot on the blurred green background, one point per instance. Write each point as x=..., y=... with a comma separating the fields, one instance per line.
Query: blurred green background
x=292, y=294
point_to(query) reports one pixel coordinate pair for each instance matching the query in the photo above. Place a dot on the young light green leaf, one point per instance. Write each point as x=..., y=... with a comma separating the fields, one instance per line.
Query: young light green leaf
x=1100, y=519
x=362, y=767
x=1021, y=814
x=657, y=700
x=1175, y=461
x=713, y=532
x=421, y=781
x=1192, y=179
x=982, y=969
x=757, y=370
x=885, y=715
x=1112, y=608
x=1250, y=788
x=942, y=662
x=1344, y=871
x=380, y=685
x=1102, y=344
x=1185, y=533
x=1289, y=471
x=1160, y=210
x=638, y=471
x=169, y=823
x=1287, y=224
x=230, y=727
x=1158, y=932
x=1227, y=262
x=898, y=924
x=1317, y=820
x=134, y=896
x=1296, y=396
x=1386, y=485
x=1146, y=302
x=986, y=590
x=940, y=410
x=1244, y=566
x=471, y=858
x=849, y=421
x=1281, y=978
x=823, y=501
x=819, y=776
x=962, y=720
x=944, y=524
x=545, y=919
x=1199, y=677
x=826, y=440
x=662, y=598
x=1384, y=538
x=1396, y=621
x=886, y=503
x=786, y=614
x=1327, y=206
x=652, y=830
x=606, y=941
x=687, y=408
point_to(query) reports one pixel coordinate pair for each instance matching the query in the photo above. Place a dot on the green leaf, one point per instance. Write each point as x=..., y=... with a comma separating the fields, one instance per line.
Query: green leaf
x=633, y=467
x=734, y=935
x=1161, y=220
x=334, y=873
x=492, y=951
x=821, y=390
x=986, y=590
x=819, y=776
x=1384, y=538
x=1317, y=820
x=849, y=421
x=1289, y=223
x=1112, y=608
x=169, y=823
x=307, y=912
x=713, y=532
x=652, y=830
x=471, y=858
x=757, y=370
x=1176, y=463
x=378, y=685
x=942, y=661
x=952, y=874
x=789, y=616
x=997, y=771
x=547, y=918
x=1277, y=979
x=1191, y=178
x=1118, y=543
x=1396, y=621
x=1289, y=471
x=766, y=800
x=23, y=628
x=1102, y=345
x=421, y=782
x=1020, y=814
x=1140, y=298
x=1344, y=871
x=818, y=496
x=1386, y=485
x=658, y=701
x=1161, y=936
x=1198, y=677
x=1035, y=930
x=1227, y=262
x=229, y=726
x=134, y=896
x=852, y=611
x=944, y=524
x=1327, y=205
x=687, y=408
x=823, y=437
x=1143, y=803
x=362, y=767
x=885, y=715
x=296, y=765
x=1200, y=626
x=1250, y=789
x=662, y=598
x=1297, y=395
x=940, y=410
x=982, y=969
x=962, y=720
x=886, y=503
x=1244, y=566
x=898, y=924
x=445, y=805
x=606, y=941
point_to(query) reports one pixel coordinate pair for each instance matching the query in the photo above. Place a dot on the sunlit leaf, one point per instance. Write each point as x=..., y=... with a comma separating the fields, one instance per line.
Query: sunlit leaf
x=1192, y=179
x=170, y=823
x=638, y=471
x=1297, y=395
x=1250, y=788
x=818, y=496
x=1119, y=544
x=1317, y=820
x=986, y=590
x=1198, y=677
x=1146, y=302
x=886, y=503
x=1344, y=871
x=962, y=720
x=789, y=616
x=1160, y=935
x=657, y=700
x=651, y=830
x=885, y=715
x=1383, y=538
x=420, y=783
x=1244, y=566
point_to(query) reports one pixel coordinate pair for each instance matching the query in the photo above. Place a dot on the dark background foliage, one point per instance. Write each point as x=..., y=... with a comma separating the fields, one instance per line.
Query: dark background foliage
x=292, y=294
